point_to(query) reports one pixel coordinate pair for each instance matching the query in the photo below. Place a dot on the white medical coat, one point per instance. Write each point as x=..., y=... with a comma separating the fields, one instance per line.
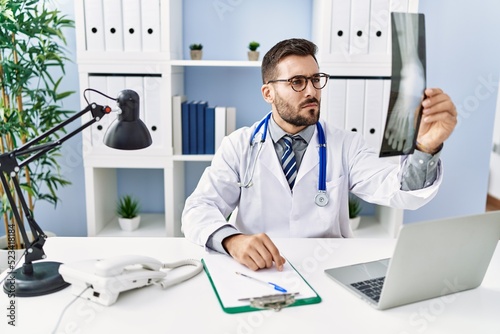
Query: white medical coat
x=269, y=206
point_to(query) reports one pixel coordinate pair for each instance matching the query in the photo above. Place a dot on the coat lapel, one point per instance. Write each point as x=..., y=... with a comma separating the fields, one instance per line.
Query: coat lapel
x=310, y=160
x=269, y=160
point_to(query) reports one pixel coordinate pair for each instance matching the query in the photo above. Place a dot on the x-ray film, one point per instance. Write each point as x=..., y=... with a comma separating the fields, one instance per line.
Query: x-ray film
x=408, y=82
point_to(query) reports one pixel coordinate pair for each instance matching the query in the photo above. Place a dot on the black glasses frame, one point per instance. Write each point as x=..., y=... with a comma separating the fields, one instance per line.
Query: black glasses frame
x=315, y=79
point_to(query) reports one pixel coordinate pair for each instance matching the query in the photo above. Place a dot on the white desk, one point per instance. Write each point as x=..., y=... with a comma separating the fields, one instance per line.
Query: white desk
x=192, y=307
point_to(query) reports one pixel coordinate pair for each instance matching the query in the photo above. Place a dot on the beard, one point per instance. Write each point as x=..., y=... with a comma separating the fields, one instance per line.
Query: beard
x=295, y=115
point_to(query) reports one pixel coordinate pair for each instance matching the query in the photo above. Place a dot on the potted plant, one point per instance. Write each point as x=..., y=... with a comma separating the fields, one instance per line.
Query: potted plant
x=196, y=51
x=253, y=54
x=32, y=61
x=128, y=213
x=354, y=210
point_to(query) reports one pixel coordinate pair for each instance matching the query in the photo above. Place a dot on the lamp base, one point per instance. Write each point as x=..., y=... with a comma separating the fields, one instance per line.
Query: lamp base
x=44, y=280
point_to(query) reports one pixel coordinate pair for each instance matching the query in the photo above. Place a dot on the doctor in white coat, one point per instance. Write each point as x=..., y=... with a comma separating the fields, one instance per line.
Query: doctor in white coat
x=247, y=174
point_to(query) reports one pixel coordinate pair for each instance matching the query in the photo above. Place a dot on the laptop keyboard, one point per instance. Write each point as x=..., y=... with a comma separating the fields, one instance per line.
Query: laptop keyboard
x=370, y=288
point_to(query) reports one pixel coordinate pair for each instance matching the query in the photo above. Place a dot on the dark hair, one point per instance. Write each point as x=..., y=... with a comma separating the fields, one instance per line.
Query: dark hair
x=288, y=47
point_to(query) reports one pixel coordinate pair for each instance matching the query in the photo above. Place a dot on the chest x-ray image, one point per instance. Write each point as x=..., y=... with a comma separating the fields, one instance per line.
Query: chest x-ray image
x=408, y=82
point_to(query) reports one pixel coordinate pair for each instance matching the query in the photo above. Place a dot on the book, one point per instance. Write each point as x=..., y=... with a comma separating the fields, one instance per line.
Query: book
x=210, y=130
x=185, y=127
x=230, y=120
x=220, y=125
x=177, y=102
x=192, y=135
x=200, y=127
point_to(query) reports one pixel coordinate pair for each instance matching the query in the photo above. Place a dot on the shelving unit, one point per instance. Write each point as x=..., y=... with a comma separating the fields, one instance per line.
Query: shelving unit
x=155, y=69
x=119, y=48
x=354, y=41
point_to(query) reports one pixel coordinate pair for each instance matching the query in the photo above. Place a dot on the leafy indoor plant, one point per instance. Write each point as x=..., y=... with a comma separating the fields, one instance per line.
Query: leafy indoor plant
x=354, y=210
x=196, y=47
x=32, y=62
x=196, y=51
x=253, y=46
x=127, y=210
x=253, y=54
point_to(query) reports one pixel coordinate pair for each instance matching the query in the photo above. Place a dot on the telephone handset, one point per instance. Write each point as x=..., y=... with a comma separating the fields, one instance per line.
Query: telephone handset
x=116, y=265
x=104, y=279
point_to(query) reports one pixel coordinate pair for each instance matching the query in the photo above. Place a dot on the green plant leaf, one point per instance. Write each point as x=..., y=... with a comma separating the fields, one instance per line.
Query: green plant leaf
x=127, y=207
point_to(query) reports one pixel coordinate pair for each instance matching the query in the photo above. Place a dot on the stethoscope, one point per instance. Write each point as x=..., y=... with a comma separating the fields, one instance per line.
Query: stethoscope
x=321, y=198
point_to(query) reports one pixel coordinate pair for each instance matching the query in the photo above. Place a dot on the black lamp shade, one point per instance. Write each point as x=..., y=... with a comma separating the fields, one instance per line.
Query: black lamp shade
x=128, y=132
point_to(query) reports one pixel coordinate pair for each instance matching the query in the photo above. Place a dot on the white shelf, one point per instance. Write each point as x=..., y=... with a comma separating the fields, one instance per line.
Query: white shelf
x=152, y=225
x=216, y=63
x=193, y=157
x=125, y=161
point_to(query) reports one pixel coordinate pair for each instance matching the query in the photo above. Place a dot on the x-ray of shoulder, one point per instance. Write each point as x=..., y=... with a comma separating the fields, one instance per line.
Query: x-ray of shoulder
x=408, y=82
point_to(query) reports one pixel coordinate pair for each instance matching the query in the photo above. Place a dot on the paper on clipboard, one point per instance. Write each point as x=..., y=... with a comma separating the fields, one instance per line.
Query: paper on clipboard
x=233, y=290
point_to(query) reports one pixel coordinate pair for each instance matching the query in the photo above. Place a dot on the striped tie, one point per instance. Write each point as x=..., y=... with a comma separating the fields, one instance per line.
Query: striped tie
x=288, y=161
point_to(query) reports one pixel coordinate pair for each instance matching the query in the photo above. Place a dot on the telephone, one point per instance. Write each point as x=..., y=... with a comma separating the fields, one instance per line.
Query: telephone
x=104, y=279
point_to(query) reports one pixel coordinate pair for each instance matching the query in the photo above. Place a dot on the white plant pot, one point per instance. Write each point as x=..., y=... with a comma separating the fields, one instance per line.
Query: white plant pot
x=253, y=55
x=129, y=224
x=6, y=256
x=196, y=54
x=354, y=222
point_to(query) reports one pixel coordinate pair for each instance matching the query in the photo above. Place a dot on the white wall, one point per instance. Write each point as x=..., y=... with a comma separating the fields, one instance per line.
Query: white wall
x=494, y=179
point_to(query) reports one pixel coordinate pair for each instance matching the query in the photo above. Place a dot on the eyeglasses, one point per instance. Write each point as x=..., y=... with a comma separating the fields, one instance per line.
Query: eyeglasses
x=299, y=82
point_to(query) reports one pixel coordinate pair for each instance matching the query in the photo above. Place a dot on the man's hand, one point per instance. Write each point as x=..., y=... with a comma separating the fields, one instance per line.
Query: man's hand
x=439, y=118
x=255, y=251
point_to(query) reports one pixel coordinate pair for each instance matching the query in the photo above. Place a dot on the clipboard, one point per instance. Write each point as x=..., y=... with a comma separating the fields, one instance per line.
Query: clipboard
x=237, y=294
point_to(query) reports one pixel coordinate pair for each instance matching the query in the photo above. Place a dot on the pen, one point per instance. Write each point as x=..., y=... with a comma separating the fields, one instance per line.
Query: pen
x=275, y=286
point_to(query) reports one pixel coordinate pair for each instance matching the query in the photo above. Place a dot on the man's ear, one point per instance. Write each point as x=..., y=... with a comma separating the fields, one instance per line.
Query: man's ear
x=267, y=93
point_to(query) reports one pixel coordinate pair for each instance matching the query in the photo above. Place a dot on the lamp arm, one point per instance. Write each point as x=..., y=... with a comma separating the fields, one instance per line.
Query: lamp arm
x=97, y=111
x=10, y=166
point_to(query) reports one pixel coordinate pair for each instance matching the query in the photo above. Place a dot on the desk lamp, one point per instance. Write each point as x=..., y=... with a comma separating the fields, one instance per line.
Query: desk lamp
x=127, y=132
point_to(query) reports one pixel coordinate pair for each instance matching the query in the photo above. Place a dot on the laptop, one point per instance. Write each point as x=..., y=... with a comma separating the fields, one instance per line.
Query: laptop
x=431, y=259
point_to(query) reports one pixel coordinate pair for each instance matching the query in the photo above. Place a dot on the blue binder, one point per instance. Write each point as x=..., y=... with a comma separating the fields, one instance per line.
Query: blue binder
x=185, y=127
x=210, y=130
x=200, y=126
x=192, y=134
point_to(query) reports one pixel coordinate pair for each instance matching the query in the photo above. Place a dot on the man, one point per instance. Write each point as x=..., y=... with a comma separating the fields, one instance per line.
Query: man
x=276, y=183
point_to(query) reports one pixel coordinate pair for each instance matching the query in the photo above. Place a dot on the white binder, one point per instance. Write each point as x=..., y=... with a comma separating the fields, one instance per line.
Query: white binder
x=379, y=27
x=360, y=21
x=339, y=43
x=99, y=128
x=113, y=25
x=220, y=125
x=336, y=102
x=372, y=127
x=152, y=111
x=400, y=6
x=177, y=101
x=132, y=33
x=94, y=25
x=355, y=105
x=150, y=25
x=230, y=120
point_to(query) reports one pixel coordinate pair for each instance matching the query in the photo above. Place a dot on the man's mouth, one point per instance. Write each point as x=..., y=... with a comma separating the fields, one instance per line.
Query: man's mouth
x=310, y=104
